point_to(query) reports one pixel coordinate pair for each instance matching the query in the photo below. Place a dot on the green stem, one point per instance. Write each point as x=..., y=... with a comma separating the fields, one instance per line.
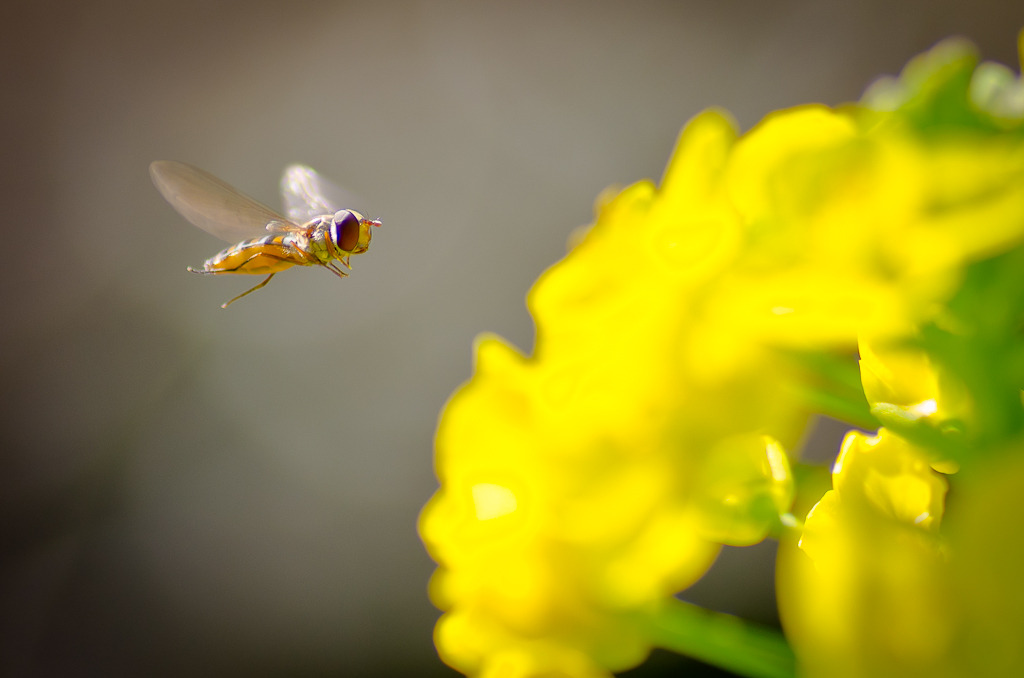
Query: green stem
x=841, y=407
x=722, y=640
x=831, y=386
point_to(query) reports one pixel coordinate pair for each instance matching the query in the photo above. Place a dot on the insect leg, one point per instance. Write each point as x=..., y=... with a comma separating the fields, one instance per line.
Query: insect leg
x=228, y=303
x=332, y=267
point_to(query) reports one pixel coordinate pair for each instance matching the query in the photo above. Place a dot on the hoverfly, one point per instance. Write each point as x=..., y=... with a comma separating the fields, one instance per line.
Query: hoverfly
x=316, y=231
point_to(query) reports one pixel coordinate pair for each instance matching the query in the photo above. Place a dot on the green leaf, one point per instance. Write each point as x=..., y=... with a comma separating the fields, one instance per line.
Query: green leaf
x=980, y=342
x=944, y=91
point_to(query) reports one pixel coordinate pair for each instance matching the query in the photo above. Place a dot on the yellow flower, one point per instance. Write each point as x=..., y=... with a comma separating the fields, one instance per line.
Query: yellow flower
x=857, y=229
x=585, y=485
x=985, y=535
x=601, y=476
x=905, y=388
x=546, y=548
x=863, y=592
x=875, y=586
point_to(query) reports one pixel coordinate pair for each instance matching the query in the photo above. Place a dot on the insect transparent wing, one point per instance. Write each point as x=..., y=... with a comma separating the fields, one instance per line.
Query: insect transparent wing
x=212, y=205
x=307, y=194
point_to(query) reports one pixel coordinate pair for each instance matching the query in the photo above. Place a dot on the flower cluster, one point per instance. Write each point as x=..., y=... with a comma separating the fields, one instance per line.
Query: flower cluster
x=683, y=347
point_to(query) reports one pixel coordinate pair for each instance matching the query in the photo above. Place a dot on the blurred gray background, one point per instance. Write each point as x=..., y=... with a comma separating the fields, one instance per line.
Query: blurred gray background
x=194, y=491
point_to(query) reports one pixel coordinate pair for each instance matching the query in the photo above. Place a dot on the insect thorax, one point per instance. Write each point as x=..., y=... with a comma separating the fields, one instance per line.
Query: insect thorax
x=318, y=238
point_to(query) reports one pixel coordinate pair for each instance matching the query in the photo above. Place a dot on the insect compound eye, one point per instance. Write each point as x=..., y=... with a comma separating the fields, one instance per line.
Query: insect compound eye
x=345, y=230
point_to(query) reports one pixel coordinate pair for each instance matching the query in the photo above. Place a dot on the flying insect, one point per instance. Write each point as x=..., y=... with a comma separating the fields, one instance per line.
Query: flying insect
x=316, y=229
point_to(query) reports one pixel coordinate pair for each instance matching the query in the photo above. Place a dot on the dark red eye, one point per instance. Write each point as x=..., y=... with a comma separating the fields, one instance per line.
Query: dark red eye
x=345, y=230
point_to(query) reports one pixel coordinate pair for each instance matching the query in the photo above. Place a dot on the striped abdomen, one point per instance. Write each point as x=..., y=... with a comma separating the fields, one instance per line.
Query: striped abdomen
x=269, y=254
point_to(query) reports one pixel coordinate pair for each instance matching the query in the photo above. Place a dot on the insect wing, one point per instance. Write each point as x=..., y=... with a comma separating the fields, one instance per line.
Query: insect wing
x=308, y=195
x=213, y=205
